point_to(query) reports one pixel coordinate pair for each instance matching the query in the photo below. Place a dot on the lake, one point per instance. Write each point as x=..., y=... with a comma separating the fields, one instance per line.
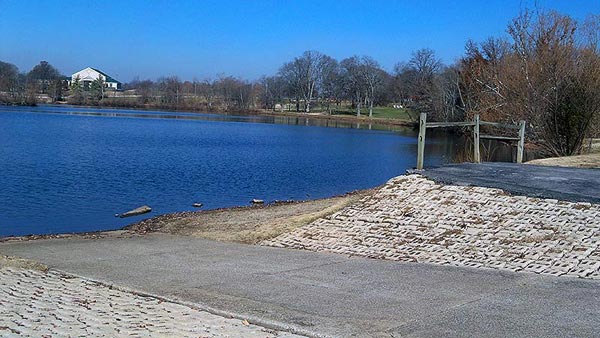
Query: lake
x=71, y=169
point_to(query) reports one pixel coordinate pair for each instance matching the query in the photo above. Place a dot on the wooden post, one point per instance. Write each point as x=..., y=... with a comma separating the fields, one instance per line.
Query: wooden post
x=521, y=145
x=476, y=154
x=421, y=144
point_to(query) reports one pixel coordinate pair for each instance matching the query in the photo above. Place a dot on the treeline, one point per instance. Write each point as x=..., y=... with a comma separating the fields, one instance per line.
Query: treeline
x=27, y=88
x=226, y=93
x=545, y=71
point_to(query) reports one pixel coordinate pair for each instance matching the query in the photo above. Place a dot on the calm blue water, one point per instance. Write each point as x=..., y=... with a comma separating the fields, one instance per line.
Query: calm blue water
x=64, y=171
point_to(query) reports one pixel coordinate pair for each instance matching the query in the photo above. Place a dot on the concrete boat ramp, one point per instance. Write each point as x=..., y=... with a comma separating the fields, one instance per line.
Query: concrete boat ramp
x=328, y=294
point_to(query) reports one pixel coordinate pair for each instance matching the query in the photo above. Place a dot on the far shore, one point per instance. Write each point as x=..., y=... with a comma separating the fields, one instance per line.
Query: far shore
x=344, y=118
x=271, y=113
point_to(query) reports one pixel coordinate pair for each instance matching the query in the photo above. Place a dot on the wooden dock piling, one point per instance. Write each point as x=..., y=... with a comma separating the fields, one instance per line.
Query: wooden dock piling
x=421, y=144
x=476, y=154
x=521, y=144
x=423, y=125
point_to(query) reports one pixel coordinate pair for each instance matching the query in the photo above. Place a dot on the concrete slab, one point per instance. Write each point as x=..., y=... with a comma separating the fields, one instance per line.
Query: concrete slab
x=331, y=294
x=567, y=184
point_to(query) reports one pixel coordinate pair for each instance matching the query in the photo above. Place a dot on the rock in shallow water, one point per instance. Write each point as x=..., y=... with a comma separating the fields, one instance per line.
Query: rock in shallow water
x=137, y=211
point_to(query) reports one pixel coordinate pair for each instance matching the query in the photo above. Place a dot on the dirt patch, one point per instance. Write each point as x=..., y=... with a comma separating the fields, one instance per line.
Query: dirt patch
x=16, y=262
x=249, y=225
x=578, y=161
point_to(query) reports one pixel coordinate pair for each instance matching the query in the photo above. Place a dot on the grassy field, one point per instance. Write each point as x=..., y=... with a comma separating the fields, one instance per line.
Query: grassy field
x=378, y=112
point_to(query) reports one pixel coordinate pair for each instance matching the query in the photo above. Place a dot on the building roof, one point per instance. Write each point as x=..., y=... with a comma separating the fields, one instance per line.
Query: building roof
x=108, y=77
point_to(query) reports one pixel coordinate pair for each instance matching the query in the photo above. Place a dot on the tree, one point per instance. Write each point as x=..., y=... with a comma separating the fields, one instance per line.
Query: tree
x=291, y=73
x=170, y=88
x=304, y=76
x=373, y=79
x=9, y=80
x=235, y=93
x=207, y=89
x=332, y=88
x=402, y=83
x=312, y=65
x=44, y=78
x=97, y=89
x=273, y=88
x=424, y=66
x=548, y=75
x=354, y=81
x=557, y=83
x=76, y=92
x=145, y=91
x=446, y=96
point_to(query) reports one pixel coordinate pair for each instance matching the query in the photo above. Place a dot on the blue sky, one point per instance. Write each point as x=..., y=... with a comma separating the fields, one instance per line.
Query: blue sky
x=200, y=39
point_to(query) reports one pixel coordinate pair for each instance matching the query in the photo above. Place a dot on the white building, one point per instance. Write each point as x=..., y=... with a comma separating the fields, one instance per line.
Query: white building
x=89, y=75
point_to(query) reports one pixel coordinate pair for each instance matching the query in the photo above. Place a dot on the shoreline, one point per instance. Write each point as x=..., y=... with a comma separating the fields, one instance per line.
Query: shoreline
x=265, y=113
x=344, y=118
x=147, y=225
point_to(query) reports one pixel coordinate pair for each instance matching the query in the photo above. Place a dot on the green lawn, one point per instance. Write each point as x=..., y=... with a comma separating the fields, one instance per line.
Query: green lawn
x=379, y=112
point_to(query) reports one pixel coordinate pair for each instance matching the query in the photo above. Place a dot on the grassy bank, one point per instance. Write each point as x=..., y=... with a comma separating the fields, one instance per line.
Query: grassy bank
x=589, y=160
x=578, y=161
x=378, y=112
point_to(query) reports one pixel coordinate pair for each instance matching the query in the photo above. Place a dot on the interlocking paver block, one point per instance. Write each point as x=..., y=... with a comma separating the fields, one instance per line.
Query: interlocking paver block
x=38, y=304
x=412, y=218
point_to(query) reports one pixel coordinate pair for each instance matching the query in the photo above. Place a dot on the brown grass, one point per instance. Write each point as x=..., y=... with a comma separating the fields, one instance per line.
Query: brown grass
x=249, y=225
x=579, y=161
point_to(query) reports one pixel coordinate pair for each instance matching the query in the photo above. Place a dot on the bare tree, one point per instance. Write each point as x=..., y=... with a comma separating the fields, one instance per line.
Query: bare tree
x=402, y=91
x=332, y=84
x=207, y=89
x=170, y=88
x=9, y=80
x=373, y=79
x=313, y=65
x=272, y=91
x=291, y=73
x=425, y=65
x=548, y=75
x=354, y=81
x=304, y=76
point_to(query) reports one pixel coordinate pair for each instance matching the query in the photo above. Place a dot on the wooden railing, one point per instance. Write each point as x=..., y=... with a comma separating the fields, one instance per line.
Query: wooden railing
x=423, y=125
